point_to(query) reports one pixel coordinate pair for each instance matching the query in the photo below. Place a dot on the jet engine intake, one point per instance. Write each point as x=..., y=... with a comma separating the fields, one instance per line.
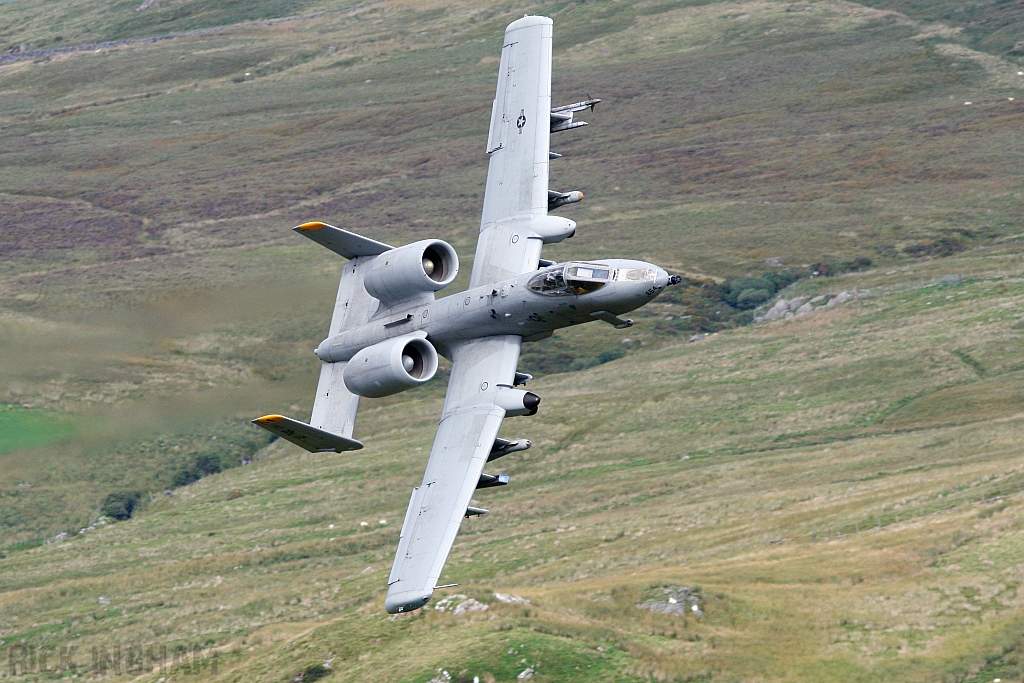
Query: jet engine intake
x=410, y=271
x=391, y=366
x=517, y=402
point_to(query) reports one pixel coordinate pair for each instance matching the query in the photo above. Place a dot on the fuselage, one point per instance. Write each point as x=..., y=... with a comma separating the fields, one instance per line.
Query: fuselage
x=532, y=306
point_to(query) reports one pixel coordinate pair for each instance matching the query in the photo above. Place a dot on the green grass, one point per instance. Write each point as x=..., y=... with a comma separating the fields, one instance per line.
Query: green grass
x=21, y=428
x=819, y=479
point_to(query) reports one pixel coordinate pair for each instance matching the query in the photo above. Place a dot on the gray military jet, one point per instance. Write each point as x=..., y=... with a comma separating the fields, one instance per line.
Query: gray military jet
x=388, y=329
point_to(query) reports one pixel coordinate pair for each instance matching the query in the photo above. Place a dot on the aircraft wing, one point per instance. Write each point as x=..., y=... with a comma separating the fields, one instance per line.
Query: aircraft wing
x=518, y=143
x=482, y=368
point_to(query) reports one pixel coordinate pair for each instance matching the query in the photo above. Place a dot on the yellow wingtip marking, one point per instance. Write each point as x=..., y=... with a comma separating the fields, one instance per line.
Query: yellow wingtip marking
x=270, y=418
x=313, y=225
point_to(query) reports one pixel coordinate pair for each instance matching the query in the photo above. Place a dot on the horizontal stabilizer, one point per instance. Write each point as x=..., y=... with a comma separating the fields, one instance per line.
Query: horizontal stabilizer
x=301, y=434
x=341, y=242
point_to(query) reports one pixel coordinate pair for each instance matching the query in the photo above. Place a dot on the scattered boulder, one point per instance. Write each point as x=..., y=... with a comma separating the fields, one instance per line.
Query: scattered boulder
x=776, y=311
x=470, y=605
x=662, y=607
x=526, y=675
x=697, y=337
x=774, y=262
x=801, y=305
x=511, y=599
x=678, y=601
x=459, y=604
x=445, y=604
x=840, y=298
x=104, y=601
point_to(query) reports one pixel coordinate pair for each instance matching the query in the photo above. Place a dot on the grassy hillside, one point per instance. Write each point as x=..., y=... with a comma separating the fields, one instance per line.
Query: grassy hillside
x=150, y=284
x=842, y=491
x=839, y=490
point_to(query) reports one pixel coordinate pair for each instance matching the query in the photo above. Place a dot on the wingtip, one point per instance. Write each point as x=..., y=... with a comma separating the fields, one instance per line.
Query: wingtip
x=268, y=419
x=312, y=225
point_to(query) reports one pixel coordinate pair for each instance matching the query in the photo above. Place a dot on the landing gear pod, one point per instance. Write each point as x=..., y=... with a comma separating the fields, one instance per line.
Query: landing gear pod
x=391, y=367
x=404, y=273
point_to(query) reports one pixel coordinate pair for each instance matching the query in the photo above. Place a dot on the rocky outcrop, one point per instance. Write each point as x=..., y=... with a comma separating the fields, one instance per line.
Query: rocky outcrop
x=678, y=601
x=802, y=305
x=460, y=604
x=470, y=605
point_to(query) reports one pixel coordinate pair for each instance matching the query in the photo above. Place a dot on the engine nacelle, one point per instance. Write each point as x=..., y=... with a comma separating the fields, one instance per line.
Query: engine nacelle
x=418, y=268
x=517, y=402
x=391, y=366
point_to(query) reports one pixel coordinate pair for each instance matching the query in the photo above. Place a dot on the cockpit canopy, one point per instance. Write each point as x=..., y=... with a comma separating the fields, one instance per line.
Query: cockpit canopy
x=578, y=277
x=569, y=279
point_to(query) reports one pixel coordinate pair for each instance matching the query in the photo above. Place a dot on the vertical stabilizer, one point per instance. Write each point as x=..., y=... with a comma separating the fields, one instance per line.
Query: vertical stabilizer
x=334, y=409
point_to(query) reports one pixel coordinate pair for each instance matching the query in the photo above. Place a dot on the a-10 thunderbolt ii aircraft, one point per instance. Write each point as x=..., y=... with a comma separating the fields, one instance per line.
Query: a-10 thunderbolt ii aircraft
x=388, y=329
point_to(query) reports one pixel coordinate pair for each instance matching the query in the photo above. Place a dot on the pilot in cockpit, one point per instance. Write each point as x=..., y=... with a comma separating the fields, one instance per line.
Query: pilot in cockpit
x=570, y=279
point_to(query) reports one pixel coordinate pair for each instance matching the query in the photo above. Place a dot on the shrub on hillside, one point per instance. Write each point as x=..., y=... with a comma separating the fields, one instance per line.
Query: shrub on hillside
x=752, y=298
x=944, y=246
x=608, y=355
x=750, y=292
x=207, y=464
x=120, y=504
x=202, y=465
x=782, y=278
x=184, y=477
x=313, y=672
x=828, y=268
